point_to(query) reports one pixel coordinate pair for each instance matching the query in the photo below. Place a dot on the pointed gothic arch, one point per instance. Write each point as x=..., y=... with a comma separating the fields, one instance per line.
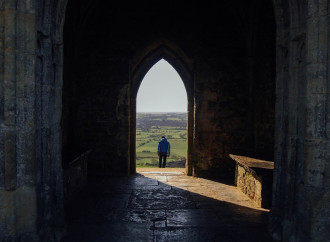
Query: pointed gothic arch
x=179, y=61
x=40, y=176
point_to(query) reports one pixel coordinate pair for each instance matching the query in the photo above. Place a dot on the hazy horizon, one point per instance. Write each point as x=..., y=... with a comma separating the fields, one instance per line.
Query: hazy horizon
x=162, y=91
x=162, y=112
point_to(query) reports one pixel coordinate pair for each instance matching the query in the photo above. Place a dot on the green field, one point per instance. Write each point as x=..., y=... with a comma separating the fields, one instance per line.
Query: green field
x=151, y=127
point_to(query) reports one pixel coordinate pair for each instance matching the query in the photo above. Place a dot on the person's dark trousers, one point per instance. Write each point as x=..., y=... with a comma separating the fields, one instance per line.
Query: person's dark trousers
x=162, y=156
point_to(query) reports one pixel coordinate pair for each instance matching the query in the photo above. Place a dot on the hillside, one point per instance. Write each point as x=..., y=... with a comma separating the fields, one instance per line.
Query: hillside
x=149, y=130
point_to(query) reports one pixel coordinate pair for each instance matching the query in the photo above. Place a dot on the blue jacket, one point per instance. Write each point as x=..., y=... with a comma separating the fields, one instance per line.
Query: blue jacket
x=164, y=146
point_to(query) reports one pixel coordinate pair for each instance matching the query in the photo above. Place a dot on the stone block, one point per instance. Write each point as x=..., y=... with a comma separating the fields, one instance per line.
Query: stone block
x=18, y=213
x=254, y=178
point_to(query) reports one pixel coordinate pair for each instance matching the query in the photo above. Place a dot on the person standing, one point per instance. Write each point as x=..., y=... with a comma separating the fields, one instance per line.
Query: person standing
x=164, y=149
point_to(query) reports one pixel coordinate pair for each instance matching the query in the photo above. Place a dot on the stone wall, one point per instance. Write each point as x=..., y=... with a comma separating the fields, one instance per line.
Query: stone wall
x=18, y=193
x=249, y=184
x=301, y=176
x=234, y=92
x=30, y=111
x=254, y=178
x=226, y=47
x=232, y=101
x=96, y=112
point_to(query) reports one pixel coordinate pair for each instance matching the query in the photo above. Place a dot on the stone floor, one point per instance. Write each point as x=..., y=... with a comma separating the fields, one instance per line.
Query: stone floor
x=164, y=205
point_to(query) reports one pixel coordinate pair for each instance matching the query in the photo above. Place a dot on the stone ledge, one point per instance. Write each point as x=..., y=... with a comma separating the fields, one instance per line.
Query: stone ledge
x=254, y=177
x=253, y=163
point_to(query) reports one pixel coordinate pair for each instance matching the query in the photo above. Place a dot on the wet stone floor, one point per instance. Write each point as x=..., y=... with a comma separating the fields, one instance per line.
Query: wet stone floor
x=164, y=205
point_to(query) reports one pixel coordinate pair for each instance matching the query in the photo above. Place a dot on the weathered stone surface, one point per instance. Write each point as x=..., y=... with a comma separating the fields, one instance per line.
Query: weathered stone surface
x=225, y=53
x=18, y=213
x=300, y=119
x=158, y=215
x=249, y=184
x=254, y=177
x=221, y=112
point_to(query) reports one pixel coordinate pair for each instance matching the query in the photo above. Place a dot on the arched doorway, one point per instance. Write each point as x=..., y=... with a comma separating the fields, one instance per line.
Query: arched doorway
x=161, y=51
x=287, y=33
x=161, y=111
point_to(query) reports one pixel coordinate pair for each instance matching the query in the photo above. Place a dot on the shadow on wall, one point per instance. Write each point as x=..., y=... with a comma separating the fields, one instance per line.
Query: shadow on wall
x=140, y=208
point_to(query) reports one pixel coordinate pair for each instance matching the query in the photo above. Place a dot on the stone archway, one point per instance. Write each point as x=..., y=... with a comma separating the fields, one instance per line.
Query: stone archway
x=30, y=157
x=139, y=67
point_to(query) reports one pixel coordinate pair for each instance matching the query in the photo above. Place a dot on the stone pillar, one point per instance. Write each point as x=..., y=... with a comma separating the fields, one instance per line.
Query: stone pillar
x=132, y=136
x=30, y=112
x=317, y=144
x=48, y=110
x=18, y=199
x=190, y=134
x=121, y=166
x=301, y=189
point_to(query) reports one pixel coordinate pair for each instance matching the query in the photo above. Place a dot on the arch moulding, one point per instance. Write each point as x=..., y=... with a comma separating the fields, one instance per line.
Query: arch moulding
x=138, y=69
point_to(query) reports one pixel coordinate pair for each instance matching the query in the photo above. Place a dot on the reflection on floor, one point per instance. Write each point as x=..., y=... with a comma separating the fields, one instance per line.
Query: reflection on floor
x=164, y=205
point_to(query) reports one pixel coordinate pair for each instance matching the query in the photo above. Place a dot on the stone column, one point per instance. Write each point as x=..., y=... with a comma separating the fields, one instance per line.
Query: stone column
x=317, y=144
x=18, y=202
x=30, y=112
x=190, y=134
x=48, y=110
x=132, y=136
x=301, y=189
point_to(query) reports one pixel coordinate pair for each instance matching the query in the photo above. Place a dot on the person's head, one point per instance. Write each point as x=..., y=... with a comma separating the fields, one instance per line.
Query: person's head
x=163, y=137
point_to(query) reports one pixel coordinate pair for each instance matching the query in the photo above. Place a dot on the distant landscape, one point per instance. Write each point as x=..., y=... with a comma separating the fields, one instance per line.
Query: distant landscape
x=150, y=127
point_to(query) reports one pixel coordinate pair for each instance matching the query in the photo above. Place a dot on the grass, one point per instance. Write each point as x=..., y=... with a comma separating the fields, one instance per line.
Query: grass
x=147, y=140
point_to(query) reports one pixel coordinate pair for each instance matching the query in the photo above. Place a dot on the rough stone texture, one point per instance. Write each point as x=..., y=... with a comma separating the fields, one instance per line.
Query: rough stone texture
x=229, y=114
x=254, y=178
x=48, y=105
x=30, y=171
x=19, y=206
x=250, y=185
x=230, y=86
x=302, y=145
x=17, y=121
x=224, y=52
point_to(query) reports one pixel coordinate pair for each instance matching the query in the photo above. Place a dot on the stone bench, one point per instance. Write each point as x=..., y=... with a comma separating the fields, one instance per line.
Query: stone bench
x=254, y=178
x=75, y=175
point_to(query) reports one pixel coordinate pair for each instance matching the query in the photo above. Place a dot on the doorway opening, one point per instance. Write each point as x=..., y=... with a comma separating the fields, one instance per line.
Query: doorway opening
x=180, y=66
x=161, y=110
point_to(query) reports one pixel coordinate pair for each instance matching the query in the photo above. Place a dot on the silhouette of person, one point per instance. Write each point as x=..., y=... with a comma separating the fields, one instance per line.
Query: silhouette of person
x=164, y=149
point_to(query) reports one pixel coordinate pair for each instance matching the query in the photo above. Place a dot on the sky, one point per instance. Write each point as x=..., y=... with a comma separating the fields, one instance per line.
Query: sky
x=161, y=90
